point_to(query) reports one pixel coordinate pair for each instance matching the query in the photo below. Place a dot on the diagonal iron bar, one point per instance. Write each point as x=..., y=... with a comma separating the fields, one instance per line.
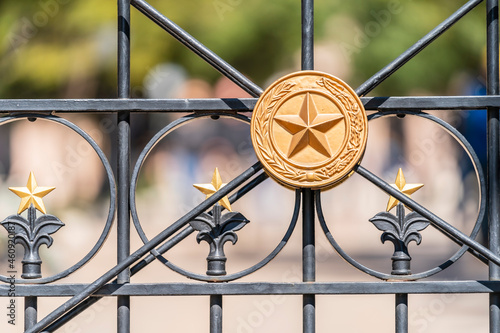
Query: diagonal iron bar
x=188, y=230
x=198, y=48
x=170, y=243
x=397, y=63
x=436, y=221
x=138, y=254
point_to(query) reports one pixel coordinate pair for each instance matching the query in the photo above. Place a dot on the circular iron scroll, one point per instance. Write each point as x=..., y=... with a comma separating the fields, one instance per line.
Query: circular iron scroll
x=135, y=218
x=482, y=205
x=112, y=191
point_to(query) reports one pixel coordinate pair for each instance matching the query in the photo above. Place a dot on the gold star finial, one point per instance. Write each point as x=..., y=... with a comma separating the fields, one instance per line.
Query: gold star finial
x=214, y=186
x=31, y=194
x=407, y=189
x=308, y=128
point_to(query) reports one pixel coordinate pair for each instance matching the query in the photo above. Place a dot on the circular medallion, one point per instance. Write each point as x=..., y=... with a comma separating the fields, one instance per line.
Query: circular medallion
x=309, y=129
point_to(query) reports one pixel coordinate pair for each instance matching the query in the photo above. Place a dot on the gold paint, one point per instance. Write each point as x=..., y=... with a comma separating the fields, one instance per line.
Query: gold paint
x=214, y=186
x=407, y=189
x=309, y=129
x=31, y=194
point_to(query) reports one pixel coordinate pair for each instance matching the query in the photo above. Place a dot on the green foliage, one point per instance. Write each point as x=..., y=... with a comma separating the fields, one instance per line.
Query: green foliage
x=430, y=72
x=67, y=48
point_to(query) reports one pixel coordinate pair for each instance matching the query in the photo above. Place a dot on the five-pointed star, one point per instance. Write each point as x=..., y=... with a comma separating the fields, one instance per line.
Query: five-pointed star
x=210, y=189
x=31, y=194
x=407, y=189
x=308, y=128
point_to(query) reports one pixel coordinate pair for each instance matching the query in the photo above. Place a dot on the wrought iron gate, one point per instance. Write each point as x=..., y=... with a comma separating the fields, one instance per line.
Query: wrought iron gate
x=216, y=227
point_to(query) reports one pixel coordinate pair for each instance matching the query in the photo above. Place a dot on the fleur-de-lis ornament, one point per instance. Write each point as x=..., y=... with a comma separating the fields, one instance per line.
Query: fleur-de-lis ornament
x=217, y=229
x=31, y=233
x=400, y=229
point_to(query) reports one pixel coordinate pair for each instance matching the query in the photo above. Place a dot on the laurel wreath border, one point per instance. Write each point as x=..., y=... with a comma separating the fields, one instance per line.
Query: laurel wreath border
x=337, y=166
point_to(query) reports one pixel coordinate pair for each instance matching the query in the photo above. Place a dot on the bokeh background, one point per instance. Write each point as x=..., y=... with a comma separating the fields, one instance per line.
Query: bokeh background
x=67, y=49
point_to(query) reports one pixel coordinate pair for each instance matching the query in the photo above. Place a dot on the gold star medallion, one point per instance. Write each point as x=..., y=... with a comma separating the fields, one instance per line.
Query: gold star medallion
x=402, y=186
x=31, y=194
x=214, y=186
x=309, y=129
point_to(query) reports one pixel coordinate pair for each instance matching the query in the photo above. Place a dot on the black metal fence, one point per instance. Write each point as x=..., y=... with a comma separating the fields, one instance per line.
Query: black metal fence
x=216, y=227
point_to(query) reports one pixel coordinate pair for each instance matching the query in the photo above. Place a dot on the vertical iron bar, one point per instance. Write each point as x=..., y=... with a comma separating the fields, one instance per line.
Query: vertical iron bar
x=401, y=313
x=123, y=162
x=123, y=217
x=30, y=311
x=308, y=237
x=307, y=34
x=216, y=314
x=308, y=260
x=493, y=152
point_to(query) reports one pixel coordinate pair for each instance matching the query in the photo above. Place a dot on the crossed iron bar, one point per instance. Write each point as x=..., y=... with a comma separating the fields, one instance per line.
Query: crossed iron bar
x=234, y=105
x=440, y=224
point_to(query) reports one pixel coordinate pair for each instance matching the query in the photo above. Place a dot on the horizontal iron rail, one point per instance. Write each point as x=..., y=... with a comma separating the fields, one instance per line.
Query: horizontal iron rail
x=232, y=104
x=132, y=105
x=418, y=103
x=261, y=288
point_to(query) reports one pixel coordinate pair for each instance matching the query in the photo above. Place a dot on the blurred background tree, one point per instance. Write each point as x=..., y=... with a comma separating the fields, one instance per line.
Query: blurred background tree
x=67, y=48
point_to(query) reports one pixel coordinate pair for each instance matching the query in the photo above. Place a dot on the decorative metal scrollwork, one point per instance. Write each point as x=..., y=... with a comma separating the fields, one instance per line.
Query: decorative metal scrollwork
x=31, y=233
x=400, y=229
x=216, y=230
x=213, y=232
